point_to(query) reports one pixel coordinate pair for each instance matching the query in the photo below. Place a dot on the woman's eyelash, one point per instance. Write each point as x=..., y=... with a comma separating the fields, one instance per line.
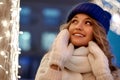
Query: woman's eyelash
x=73, y=20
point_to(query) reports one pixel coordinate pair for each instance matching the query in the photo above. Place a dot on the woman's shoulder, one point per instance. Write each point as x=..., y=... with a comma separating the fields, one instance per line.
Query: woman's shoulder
x=44, y=58
x=116, y=74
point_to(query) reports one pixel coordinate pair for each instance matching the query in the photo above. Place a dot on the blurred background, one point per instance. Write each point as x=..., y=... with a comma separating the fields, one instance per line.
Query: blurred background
x=40, y=21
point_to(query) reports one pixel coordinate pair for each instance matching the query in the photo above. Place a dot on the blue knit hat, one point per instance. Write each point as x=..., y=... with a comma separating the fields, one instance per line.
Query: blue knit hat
x=94, y=11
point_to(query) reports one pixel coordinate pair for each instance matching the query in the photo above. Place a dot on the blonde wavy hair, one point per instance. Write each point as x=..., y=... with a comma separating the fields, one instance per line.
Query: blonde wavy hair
x=100, y=37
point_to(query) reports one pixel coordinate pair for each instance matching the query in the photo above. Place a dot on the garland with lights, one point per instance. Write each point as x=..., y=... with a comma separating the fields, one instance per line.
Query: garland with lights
x=9, y=45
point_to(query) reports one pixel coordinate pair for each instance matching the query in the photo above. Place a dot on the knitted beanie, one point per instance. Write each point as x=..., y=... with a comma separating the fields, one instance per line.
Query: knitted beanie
x=94, y=11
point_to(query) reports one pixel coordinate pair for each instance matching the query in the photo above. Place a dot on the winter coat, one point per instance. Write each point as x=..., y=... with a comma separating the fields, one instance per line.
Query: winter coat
x=75, y=69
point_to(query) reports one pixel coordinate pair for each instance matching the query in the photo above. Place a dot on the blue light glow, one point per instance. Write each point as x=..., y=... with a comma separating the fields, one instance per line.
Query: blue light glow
x=47, y=39
x=25, y=41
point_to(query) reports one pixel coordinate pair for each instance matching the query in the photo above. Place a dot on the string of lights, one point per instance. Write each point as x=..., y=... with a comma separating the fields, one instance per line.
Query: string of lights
x=9, y=45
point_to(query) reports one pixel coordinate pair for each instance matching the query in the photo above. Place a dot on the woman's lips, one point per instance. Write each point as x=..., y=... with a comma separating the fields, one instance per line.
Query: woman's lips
x=79, y=35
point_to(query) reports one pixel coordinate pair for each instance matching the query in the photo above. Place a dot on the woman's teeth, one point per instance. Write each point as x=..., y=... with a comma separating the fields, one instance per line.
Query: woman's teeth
x=80, y=35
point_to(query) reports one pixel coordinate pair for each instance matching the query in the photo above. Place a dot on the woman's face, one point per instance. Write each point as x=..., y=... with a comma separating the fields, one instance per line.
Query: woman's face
x=81, y=30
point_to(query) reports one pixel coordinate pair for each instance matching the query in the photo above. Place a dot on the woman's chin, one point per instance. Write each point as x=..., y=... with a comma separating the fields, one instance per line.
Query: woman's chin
x=76, y=45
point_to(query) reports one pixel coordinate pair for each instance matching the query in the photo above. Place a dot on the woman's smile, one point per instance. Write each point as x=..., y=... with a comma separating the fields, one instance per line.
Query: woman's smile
x=80, y=35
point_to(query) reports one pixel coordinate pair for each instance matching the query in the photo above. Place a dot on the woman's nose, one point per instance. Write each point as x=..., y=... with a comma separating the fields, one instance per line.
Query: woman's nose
x=79, y=26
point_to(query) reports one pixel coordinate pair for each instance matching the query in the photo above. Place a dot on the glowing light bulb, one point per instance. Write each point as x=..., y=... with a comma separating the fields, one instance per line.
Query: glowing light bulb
x=0, y=66
x=7, y=33
x=1, y=3
x=19, y=49
x=6, y=72
x=1, y=38
x=19, y=77
x=4, y=23
x=14, y=13
x=21, y=32
x=5, y=56
x=19, y=66
x=2, y=53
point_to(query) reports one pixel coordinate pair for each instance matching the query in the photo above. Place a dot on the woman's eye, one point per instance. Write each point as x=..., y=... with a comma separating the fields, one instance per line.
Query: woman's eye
x=74, y=21
x=88, y=23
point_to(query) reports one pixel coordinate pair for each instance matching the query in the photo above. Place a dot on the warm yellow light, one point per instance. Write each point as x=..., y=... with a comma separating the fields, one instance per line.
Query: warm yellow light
x=1, y=3
x=2, y=53
x=7, y=33
x=4, y=23
x=6, y=72
x=1, y=38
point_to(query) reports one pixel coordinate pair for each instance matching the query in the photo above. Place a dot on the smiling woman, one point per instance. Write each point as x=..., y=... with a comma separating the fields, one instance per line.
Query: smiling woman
x=81, y=30
x=81, y=50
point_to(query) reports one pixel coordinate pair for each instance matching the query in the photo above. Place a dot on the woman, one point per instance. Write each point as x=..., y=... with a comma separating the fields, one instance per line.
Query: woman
x=81, y=50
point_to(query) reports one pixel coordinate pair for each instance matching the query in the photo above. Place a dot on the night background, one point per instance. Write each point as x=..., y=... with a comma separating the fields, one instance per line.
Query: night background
x=40, y=21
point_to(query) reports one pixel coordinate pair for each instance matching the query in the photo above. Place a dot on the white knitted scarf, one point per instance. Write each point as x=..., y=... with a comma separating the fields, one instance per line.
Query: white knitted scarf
x=78, y=63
